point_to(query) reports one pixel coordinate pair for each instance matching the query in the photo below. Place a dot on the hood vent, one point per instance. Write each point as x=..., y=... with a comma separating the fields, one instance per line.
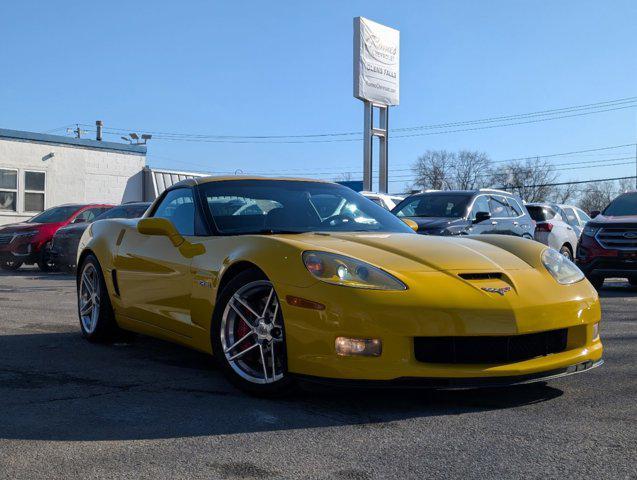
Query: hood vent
x=480, y=276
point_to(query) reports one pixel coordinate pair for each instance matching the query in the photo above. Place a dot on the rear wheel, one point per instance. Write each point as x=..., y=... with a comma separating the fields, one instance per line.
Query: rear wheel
x=97, y=321
x=248, y=336
x=566, y=251
x=10, y=265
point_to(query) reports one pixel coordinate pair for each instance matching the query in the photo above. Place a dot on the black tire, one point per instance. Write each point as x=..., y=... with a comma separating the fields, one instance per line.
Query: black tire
x=10, y=265
x=277, y=387
x=105, y=327
x=566, y=251
x=45, y=263
x=597, y=282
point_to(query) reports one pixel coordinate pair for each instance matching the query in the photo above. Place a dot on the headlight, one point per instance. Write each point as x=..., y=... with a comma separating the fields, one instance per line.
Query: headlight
x=349, y=272
x=562, y=269
x=590, y=231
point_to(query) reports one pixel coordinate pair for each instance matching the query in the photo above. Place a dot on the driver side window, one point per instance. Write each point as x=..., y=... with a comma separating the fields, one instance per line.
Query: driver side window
x=480, y=205
x=178, y=206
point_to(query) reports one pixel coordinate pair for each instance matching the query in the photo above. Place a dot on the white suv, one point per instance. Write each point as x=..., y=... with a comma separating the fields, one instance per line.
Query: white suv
x=383, y=199
x=557, y=226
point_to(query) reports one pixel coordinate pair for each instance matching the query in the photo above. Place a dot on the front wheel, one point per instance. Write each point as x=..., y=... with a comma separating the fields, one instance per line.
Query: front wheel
x=97, y=321
x=10, y=265
x=248, y=336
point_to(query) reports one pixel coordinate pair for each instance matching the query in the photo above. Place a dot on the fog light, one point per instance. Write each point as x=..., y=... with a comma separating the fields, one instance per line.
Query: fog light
x=596, y=331
x=369, y=347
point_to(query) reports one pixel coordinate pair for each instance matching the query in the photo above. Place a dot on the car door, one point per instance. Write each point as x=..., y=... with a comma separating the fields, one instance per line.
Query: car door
x=521, y=222
x=480, y=204
x=501, y=218
x=573, y=229
x=154, y=278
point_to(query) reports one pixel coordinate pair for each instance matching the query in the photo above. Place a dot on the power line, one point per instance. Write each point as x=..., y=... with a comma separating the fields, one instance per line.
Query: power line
x=579, y=182
x=553, y=114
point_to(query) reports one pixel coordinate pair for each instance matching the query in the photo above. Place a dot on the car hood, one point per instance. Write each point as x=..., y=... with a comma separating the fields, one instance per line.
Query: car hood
x=20, y=227
x=404, y=252
x=601, y=220
x=73, y=230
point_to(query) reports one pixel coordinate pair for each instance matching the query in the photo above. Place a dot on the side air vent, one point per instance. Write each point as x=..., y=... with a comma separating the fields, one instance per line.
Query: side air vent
x=480, y=276
x=115, y=284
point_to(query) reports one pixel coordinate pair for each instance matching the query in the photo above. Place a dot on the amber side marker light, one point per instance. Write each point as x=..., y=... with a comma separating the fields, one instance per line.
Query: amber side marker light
x=303, y=303
x=596, y=331
x=367, y=347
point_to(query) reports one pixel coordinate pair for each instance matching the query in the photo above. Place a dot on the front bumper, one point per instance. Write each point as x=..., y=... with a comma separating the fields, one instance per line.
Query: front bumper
x=64, y=250
x=439, y=305
x=459, y=383
x=609, y=267
x=26, y=252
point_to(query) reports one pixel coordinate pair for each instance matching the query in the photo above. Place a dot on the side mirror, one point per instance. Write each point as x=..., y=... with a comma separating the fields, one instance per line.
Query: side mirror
x=160, y=227
x=165, y=228
x=482, y=216
x=410, y=223
x=594, y=213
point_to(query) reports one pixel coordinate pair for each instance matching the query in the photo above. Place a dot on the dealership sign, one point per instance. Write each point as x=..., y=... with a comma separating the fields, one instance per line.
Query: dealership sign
x=376, y=62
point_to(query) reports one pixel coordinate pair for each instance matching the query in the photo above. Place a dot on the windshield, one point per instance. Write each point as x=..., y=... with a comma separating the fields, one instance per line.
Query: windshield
x=55, y=214
x=442, y=205
x=287, y=206
x=625, y=204
x=124, y=211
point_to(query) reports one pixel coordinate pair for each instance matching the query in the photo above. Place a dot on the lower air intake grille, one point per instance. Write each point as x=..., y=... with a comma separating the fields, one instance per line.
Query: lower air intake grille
x=500, y=349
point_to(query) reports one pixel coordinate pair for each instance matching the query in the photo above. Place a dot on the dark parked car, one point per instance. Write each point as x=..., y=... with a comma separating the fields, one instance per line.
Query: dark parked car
x=67, y=239
x=608, y=246
x=29, y=242
x=467, y=212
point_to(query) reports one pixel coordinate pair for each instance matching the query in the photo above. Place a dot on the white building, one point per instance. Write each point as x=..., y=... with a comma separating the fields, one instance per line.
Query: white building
x=38, y=171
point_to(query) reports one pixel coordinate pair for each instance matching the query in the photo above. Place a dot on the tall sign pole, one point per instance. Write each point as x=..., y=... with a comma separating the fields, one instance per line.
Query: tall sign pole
x=376, y=83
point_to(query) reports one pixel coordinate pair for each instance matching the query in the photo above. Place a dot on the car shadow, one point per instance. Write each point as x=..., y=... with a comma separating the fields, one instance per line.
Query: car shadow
x=57, y=386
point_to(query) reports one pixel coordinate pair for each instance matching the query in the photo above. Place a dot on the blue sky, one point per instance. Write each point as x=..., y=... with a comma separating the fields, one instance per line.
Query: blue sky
x=285, y=68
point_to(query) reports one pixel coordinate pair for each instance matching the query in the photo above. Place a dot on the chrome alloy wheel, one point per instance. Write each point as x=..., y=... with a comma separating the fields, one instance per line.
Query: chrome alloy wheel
x=89, y=304
x=252, y=333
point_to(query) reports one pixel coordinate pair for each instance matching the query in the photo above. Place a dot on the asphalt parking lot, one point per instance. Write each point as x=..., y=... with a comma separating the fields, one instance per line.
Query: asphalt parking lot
x=148, y=409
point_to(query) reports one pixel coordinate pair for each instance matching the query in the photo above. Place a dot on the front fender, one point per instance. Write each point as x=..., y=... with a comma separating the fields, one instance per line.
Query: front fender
x=529, y=251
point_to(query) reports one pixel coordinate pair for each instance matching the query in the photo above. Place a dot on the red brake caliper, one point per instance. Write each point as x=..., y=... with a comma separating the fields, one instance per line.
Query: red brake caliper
x=241, y=330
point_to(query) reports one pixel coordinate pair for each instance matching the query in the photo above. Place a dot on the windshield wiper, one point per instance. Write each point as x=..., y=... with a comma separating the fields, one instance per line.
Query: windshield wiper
x=274, y=231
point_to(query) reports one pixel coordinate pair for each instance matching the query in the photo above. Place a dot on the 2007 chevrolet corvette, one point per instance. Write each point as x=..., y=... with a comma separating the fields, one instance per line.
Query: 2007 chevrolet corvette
x=281, y=279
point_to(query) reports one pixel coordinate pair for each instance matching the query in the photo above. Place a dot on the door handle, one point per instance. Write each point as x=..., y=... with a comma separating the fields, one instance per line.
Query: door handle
x=494, y=223
x=516, y=223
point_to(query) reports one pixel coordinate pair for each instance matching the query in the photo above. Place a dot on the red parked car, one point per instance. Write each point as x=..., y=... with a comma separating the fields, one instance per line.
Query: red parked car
x=29, y=242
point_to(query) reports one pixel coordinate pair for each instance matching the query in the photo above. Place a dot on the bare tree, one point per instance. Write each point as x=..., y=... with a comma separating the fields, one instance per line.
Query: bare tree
x=563, y=193
x=596, y=196
x=530, y=179
x=344, y=177
x=433, y=169
x=440, y=169
x=471, y=170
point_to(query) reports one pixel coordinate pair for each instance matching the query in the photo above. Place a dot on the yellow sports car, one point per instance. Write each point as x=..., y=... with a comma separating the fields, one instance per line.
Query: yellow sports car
x=284, y=279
